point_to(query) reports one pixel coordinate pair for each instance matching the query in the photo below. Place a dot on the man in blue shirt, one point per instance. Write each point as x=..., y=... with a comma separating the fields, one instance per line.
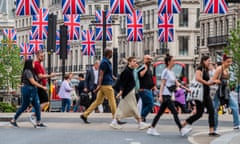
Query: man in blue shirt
x=104, y=87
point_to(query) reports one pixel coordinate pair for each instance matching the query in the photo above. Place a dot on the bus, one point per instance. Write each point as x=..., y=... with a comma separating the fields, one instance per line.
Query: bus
x=179, y=69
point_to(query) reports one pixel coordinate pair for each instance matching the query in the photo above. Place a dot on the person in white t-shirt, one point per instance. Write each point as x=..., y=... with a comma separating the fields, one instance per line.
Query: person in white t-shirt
x=167, y=88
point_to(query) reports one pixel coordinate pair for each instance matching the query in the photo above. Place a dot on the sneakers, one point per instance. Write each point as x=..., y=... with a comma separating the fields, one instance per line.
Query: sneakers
x=32, y=119
x=213, y=134
x=40, y=125
x=115, y=126
x=121, y=122
x=84, y=119
x=143, y=125
x=185, y=130
x=152, y=131
x=14, y=124
x=236, y=127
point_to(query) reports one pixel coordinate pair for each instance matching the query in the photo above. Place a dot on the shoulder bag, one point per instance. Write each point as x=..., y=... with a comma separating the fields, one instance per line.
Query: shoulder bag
x=196, y=90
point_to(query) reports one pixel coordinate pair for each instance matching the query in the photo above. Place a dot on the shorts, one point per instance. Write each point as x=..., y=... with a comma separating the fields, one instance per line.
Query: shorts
x=43, y=96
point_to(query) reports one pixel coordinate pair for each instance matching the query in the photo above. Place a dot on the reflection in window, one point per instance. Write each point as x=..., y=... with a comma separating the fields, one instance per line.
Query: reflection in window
x=90, y=9
x=183, y=45
x=183, y=17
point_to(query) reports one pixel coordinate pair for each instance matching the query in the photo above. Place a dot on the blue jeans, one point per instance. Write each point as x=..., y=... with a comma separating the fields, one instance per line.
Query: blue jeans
x=147, y=102
x=29, y=95
x=66, y=103
x=232, y=104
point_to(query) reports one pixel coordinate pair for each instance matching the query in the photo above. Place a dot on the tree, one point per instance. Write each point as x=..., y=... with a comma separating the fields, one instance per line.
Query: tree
x=233, y=49
x=10, y=65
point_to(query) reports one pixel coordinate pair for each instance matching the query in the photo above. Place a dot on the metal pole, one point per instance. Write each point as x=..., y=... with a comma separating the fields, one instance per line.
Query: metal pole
x=63, y=68
x=104, y=31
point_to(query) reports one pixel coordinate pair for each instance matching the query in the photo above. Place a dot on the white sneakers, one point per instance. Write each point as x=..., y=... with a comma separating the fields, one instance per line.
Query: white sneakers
x=115, y=125
x=236, y=127
x=152, y=131
x=143, y=125
x=185, y=130
x=32, y=119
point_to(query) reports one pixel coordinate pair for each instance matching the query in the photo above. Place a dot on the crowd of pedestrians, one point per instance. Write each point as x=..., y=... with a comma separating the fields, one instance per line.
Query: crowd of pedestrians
x=134, y=83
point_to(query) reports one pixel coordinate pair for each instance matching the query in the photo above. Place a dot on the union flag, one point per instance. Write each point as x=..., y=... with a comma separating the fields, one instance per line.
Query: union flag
x=165, y=27
x=36, y=44
x=10, y=34
x=135, y=26
x=27, y=7
x=73, y=6
x=40, y=25
x=99, y=25
x=88, y=43
x=26, y=52
x=169, y=6
x=73, y=24
x=121, y=6
x=215, y=6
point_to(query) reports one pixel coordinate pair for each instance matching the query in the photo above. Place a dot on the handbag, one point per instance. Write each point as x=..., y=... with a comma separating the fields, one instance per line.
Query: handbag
x=223, y=90
x=84, y=99
x=196, y=90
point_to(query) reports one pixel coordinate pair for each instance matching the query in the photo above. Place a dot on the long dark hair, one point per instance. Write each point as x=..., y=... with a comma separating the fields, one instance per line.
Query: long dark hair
x=167, y=59
x=28, y=65
x=204, y=58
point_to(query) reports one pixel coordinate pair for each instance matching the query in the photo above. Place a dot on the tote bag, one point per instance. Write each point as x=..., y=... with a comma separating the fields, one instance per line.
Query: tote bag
x=196, y=90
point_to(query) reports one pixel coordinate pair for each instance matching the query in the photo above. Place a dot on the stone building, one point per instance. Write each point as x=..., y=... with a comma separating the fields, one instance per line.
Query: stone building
x=186, y=35
x=215, y=30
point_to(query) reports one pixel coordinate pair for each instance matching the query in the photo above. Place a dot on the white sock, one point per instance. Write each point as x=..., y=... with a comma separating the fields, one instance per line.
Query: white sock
x=114, y=121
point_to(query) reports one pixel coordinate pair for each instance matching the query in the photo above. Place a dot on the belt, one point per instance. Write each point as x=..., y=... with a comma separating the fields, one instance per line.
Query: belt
x=143, y=89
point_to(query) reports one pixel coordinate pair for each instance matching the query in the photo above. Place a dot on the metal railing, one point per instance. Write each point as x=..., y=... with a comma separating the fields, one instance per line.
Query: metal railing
x=217, y=40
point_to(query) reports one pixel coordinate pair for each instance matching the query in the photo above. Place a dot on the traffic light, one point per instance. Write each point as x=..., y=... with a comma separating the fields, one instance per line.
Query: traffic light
x=51, y=41
x=63, y=42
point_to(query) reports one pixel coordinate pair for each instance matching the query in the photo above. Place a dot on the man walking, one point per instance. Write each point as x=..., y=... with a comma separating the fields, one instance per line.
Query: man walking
x=146, y=87
x=40, y=72
x=104, y=87
x=91, y=81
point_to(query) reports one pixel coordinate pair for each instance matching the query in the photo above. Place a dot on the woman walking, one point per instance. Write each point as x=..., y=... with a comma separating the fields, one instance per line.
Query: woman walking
x=223, y=96
x=168, y=87
x=65, y=92
x=202, y=76
x=29, y=93
x=128, y=104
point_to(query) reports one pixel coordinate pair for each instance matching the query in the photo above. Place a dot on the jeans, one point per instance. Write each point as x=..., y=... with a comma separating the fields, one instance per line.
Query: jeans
x=66, y=103
x=147, y=102
x=29, y=95
x=232, y=104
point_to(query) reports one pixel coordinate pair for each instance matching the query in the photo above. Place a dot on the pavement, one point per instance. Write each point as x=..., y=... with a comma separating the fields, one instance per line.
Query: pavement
x=100, y=123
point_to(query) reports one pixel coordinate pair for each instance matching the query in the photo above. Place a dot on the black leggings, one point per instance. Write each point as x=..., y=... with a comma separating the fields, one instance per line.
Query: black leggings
x=200, y=109
x=167, y=103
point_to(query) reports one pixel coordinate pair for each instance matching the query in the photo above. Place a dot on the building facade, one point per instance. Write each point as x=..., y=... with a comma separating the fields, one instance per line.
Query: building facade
x=215, y=30
x=7, y=15
x=186, y=35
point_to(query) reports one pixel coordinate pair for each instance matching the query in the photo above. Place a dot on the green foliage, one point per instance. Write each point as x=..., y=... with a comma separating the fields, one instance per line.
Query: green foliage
x=233, y=49
x=10, y=64
x=5, y=107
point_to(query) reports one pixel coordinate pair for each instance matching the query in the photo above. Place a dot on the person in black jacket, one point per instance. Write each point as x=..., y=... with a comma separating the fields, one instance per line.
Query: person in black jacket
x=128, y=104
